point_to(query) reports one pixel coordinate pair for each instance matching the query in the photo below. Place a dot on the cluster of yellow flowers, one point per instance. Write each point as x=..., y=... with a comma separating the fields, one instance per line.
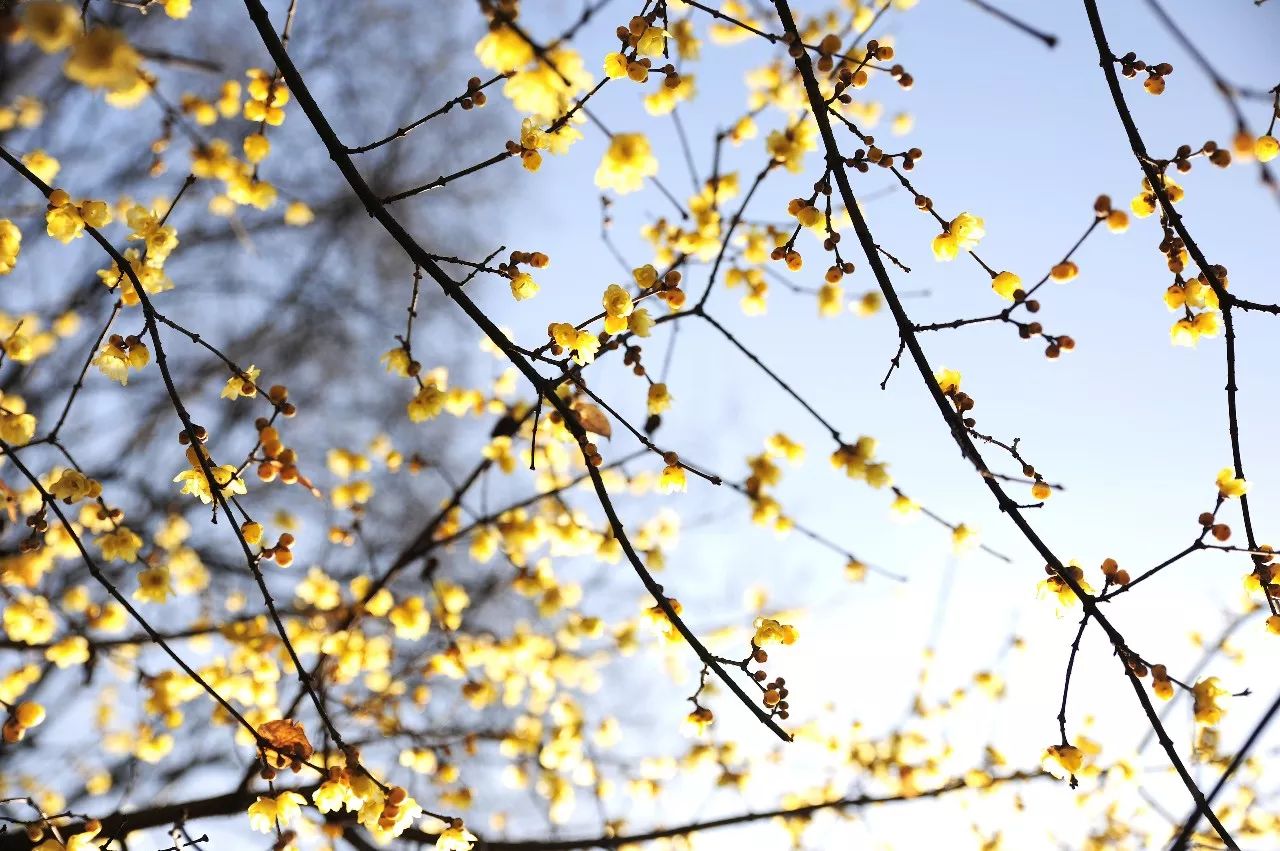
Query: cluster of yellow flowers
x=267, y=98
x=99, y=58
x=858, y=462
x=770, y=631
x=23, y=111
x=700, y=234
x=66, y=220
x=1192, y=295
x=556, y=139
x=788, y=146
x=121, y=355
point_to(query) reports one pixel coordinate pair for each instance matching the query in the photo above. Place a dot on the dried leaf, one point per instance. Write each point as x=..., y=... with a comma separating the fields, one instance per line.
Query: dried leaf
x=288, y=738
x=593, y=419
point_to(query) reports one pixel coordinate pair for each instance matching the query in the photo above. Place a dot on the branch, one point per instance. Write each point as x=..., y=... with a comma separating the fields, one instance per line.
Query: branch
x=801, y=812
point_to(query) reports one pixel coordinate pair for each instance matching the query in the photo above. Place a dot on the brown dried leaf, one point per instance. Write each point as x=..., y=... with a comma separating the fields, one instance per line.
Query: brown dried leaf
x=593, y=419
x=287, y=737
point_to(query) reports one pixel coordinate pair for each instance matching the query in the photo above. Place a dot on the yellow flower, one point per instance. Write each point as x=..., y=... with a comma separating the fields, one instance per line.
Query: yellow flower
x=830, y=299
x=455, y=838
x=177, y=9
x=904, y=505
x=968, y=229
x=1206, y=324
x=1266, y=149
x=119, y=356
x=396, y=361
x=42, y=165
x=298, y=214
x=96, y=214
x=1060, y=588
x=410, y=619
x=1229, y=486
x=868, y=304
x=659, y=399
x=1143, y=204
x=672, y=479
x=73, y=486
x=541, y=90
x=335, y=794
x=770, y=631
x=242, y=385
x=686, y=40
x=1205, y=694
x=640, y=322
x=651, y=42
x=854, y=459
x=502, y=49
x=1062, y=761
x=523, y=286
x=627, y=163
x=160, y=240
x=63, y=221
x=50, y=25
x=120, y=544
x=963, y=539
x=29, y=619
x=18, y=347
x=194, y=482
x=789, y=146
x=617, y=301
x=73, y=650
x=877, y=475
x=1006, y=284
x=945, y=247
x=427, y=404
x=256, y=147
x=266, y=812
x=615, y=66
x=697, y=721
x=102, y=58
x=583, y=344
x=948, y=380
x=153, y=585
x=1183, y=333
x=10, y=245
